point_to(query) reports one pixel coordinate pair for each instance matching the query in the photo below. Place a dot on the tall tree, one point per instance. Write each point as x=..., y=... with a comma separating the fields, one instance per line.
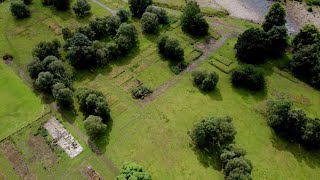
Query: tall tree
x=138, y=7
x=275, y=17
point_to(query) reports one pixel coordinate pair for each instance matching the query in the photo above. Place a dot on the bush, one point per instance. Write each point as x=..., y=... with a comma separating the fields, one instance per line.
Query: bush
x=133, y=171
x=138, y=7
x=112, y=24
x=44, y=49
x=192, y=20
x=252, y=46
x=140, y=92
x=247, y=76
x=45, y=81
x=62, y=95
x=60, y=73
x=238, y=168
x=61, y=4
x=149, y=22
x=123, y=15
x=81, y=8
x=204, y=80
x=275, y=17
x=170, y=48
x=126, y=37
x=311, y=134
x=66, y=33
x=161, y=14
x=87, y=31
x=93, y=103
x=211, y=132
x=278, y=37
x=19, y=9
x=308, y=35
x=34, y=68
x=94, y=126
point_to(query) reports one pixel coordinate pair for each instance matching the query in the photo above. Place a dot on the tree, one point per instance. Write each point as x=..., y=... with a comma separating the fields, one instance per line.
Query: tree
x=311, y=134
x=19, y=9
x=133, y=171
x=112, y=24
x=295, y=124
x=308, y=35
x=123, y=15
x=62, y=95
x=49, y=59
x=81, y=8
x=98, y=26
x=87, y=31
x=26, y=2
x=61, y=4
x=170, y=48
x=94, y=126
x=278, y=113
x=160, y=12
x=204, y=80
x=230, y=152
x=126, y=37
x=278, y=37
x=238, y=168
x=44, y=49
x=192, y=20
x=34, y=68
x=66, y=33
x=275, y=17
x=45, y=81
x=149, y=22
x=138, y=7
x=61, y=74
x=247, y=76
x=252, y=46
x=213, y=131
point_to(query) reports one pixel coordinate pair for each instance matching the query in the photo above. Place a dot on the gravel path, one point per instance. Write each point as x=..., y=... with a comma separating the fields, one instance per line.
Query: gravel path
x=113, y=12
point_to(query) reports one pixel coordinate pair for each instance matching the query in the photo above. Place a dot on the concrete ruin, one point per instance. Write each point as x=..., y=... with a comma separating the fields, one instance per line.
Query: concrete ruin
x=63, y=138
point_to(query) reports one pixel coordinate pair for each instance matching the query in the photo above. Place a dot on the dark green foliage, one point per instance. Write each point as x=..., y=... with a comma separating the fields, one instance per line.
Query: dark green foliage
x=63, y=95
x=204, y=80
x=308, y=35
x=27, y=2
x=252, y=46
x=149, y=22
x=238, y=168
x=61, y=74
x=275, y=17
x=123, y=14
x=44, y=49
x=311, y=135
x=48, y=60
x=19, y=9
x=170, y=48
x=178, y=68
x=94, y=126
x=112, y=24
x=133, y=171
x=81, y=8
x=66, y=33
x=192, y=20
x=93, y=103
x=229, y=152
x=278, y=37
x=247, y=76
x=34, y=68
x=45, y=81
x=278, y=113
x=138, y=7
x=140, y=92
x=61, y=4
x=306, y=64
x=161, y=14
x=126, y=37
x=213, y=132
x=87, y=31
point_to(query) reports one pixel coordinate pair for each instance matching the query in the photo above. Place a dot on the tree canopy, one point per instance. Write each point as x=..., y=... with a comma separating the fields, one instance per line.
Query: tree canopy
x=133, y=171
x=138, y=7
x=275, y=17
x=94, y=126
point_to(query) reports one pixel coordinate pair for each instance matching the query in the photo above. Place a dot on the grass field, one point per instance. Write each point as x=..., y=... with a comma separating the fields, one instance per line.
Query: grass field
x=154, y=134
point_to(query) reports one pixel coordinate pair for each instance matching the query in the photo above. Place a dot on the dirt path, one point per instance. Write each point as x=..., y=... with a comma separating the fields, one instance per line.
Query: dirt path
x=208, y=49
x=113, y=12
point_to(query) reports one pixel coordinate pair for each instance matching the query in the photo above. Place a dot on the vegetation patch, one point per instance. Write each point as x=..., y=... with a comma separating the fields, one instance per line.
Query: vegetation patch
x=140, y=92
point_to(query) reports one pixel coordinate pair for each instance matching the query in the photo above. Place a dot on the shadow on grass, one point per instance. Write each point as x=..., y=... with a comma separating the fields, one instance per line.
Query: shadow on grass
x=102, y=142
x=310, y=156
x=246, y=94
x=215, y=94
x=208, y=157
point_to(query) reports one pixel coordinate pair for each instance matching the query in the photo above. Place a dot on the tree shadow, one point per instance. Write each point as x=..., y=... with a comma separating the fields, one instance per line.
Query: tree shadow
x=215, y=94
x=308, y=155
x=208, y=157
x=102, y=142
x=246, y=94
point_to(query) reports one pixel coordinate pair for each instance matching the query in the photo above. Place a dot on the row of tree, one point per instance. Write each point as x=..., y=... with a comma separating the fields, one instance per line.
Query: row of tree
x=49, y=73
x=293, y=123
x=218, y=133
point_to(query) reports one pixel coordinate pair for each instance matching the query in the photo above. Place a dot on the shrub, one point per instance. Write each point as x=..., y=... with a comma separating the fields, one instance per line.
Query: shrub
x=61, y=74
x=87, y=31
x=19, y=9
x=61, y=4
x=278, y=113
x=112, y=24
x=161, y=14
x=133, y=171
x=275, y=17
x=94, y=126
x=308, y=35
x=140, y=92
x=170, y=48
x=81, y=8
x=62, y=94
x=123, y=15
x=212, y=132
x=44, y=49
x=149, y=22
x=238, y=168
x=311, y=134
x=138, y=7
x=248, y=77
x=34, y=68
x=66, y=33
x=252, y=46
x=192, y=20
x=126, y=37
x=204, y=80
x=278, y=37
x=45, y=81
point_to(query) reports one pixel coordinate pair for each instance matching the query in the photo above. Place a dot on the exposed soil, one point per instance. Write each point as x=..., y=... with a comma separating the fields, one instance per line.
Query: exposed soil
x=41, y=151
x=90, y=173
x=7, y=58
x=16, y=159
